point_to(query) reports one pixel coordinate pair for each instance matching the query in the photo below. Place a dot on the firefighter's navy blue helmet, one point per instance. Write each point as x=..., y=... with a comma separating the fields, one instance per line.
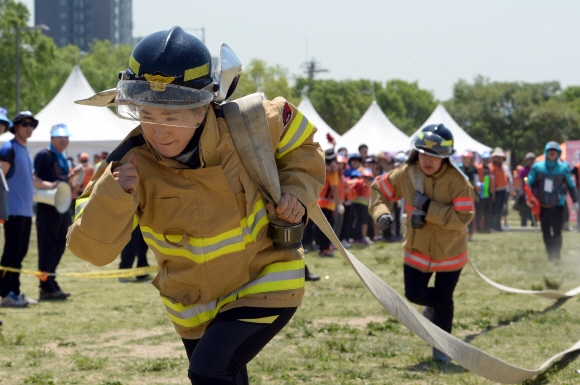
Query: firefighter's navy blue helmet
x=167, y=69
x=435, y=140
x=173, y=54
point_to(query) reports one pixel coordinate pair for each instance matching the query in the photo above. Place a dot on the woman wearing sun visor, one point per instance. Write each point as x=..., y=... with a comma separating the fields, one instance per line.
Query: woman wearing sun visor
x=179, y=177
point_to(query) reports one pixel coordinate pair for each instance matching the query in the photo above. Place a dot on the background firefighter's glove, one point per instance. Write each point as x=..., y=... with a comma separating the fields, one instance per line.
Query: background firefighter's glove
x=385, y=221
x=421, y=201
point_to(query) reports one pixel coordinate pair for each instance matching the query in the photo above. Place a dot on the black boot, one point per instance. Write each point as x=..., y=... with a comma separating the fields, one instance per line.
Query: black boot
x=308, y=276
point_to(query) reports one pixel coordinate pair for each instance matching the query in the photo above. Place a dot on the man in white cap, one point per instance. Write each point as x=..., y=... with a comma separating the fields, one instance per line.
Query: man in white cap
x=51, y=165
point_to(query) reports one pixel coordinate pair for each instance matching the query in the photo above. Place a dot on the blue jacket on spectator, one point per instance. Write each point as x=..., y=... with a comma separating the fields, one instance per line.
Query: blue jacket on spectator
x=551, y=179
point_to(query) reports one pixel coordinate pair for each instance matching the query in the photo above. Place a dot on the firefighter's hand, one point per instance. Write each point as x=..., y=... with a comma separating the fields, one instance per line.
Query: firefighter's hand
x=289, y=209
x=385, y=221
x=421, y=201
x=127, y=176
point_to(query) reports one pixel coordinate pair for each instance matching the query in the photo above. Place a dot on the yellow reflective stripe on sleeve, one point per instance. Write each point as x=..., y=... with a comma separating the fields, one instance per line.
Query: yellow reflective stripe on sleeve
x=300, y=129
x=80, y=206
x=263, y=320
x=278, y=276
x=200, y=250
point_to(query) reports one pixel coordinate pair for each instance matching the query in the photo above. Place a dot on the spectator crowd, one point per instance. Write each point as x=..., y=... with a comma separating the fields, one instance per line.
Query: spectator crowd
x=344, y=199
x=23, y=177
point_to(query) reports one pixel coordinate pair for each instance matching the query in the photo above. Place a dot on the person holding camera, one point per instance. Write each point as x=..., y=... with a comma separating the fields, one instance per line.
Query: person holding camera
x=51, y=166
x=439, y=201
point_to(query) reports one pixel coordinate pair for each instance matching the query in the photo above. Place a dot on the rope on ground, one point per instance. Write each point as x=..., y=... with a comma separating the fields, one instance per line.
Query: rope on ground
x=469, y=357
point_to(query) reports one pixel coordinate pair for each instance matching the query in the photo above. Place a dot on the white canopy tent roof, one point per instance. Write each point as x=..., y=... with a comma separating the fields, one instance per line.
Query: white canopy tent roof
x=308, y=110
x=461, y=138
x=93, y=129
x=376, y=131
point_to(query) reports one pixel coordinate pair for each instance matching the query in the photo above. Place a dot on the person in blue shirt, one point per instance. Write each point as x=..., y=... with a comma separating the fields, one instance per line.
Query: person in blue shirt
x=549, y=180
x=17, y=167
x=5, y=125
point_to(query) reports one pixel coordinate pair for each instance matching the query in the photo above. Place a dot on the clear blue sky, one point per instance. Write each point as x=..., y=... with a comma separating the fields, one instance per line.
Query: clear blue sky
x=432, y=42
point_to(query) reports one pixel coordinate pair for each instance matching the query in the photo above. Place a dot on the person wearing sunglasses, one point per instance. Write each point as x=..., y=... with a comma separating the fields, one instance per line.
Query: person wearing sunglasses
x=18, y=169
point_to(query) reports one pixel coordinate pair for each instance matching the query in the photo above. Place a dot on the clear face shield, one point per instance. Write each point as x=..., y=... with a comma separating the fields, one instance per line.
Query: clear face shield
x=162, y=104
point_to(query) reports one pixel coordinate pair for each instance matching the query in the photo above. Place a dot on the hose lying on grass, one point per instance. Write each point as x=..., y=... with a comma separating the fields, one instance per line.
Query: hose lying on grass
x=469, y=357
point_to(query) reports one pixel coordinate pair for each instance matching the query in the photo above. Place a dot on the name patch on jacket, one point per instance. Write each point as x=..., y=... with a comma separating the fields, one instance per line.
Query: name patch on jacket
x=286, y=114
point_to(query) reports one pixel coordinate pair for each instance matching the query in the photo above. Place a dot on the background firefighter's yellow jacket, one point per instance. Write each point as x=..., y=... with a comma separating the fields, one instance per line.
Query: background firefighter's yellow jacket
x=441, y=245
x=207, y=227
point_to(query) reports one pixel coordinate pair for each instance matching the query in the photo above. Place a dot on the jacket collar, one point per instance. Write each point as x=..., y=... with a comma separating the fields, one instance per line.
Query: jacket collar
x=210, y=136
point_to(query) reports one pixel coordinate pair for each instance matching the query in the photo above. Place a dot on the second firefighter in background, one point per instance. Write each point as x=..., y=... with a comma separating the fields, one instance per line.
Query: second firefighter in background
x=437, y=220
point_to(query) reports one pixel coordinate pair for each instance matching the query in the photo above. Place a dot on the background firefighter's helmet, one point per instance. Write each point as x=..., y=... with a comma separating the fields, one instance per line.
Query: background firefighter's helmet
x=174, y=54
x=435, y=140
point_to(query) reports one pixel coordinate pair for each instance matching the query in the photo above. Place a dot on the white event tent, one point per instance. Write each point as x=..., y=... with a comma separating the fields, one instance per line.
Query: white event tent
x=461, y=138
x=308, y=110
x=93, y=129
x=376, y=131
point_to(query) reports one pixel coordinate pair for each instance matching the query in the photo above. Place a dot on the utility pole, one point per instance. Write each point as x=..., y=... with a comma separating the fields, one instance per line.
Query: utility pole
x=312, y=68
x=17, y=30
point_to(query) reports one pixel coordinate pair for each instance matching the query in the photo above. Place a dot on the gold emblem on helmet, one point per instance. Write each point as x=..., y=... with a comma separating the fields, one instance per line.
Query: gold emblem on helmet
x=158, y=82
x=430, y=144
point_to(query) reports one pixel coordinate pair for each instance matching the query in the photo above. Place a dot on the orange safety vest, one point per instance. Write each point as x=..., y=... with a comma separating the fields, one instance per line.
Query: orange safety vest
x=325, y=199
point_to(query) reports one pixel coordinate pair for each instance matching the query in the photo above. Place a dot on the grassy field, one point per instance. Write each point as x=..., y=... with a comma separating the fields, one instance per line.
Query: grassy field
x=112, y=333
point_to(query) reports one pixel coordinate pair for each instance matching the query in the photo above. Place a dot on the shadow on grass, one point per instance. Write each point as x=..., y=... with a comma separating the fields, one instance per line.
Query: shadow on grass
x=433, y=367
x=543, y=378
x=516, y=318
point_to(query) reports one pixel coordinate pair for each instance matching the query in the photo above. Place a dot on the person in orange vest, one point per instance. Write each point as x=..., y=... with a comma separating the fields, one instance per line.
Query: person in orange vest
x=499, y=196
x=344, y=195
x=82, y=174
x=327, y=200
x=361, y=204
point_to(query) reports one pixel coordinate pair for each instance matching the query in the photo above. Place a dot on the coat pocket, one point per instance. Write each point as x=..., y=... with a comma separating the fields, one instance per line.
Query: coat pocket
x=448, y=244
x=173, y=284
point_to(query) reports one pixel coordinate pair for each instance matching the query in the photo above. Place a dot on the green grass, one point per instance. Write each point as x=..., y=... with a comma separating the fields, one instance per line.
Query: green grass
x=112, y=333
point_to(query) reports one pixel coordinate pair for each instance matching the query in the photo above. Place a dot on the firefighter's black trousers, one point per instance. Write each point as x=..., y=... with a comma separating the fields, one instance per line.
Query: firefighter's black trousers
x=232, y=340
x=439, y=297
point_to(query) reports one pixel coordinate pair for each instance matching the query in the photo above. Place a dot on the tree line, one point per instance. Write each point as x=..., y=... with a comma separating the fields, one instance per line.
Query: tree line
x=517, y=116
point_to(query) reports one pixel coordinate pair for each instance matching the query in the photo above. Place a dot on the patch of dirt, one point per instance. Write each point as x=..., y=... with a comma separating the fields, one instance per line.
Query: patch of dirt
x=121, y=340
x=358, y=322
